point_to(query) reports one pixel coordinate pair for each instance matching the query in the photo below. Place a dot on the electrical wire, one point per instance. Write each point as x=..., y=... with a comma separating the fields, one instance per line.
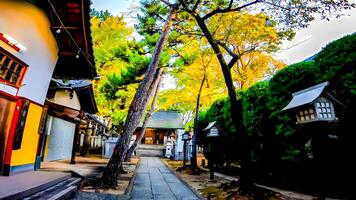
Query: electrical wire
x=71, y=37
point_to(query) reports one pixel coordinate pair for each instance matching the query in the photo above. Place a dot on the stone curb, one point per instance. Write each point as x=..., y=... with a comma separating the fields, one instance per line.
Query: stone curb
x=184, y=182
x=220, y=175
x=128, y=190
x=290, y=195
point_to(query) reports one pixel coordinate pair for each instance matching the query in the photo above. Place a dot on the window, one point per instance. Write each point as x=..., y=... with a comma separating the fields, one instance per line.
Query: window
x=306, y=115
x=324, y=109
x=11, y=69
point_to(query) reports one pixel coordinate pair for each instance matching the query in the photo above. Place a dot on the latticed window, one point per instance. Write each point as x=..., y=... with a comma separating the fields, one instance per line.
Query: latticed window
x=12, y=69
x=324, y=109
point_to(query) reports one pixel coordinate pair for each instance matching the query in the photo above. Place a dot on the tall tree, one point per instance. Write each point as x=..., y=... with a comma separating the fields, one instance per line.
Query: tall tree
x=196, y=117
x=252, y=39
x=288, y=14
x=137, y=107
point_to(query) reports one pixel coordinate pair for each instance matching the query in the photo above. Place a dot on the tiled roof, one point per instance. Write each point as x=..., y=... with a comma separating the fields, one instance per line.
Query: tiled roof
x=165, y=120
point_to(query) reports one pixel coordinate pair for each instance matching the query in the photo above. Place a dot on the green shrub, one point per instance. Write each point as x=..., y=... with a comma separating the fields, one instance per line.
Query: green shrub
x=273, y=131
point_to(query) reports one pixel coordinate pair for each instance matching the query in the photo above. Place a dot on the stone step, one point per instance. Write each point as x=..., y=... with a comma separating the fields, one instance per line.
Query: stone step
x=150, y=146
x=61, y=190
x=26, y=184
x=149, y=152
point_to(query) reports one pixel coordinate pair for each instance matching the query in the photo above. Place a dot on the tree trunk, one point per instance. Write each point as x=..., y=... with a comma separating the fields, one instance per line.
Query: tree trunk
x=75, y=143
x=86, y=144
x=196, y=120
x=137, y=107
x=236, y=115
x=147, y=117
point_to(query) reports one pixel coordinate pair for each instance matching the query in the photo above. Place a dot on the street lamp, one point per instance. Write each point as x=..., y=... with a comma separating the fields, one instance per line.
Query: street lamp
x=185, y=138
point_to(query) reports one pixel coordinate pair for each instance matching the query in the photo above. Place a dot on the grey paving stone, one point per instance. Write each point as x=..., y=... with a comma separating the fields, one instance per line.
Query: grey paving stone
x=163, y=197
x=181, y=191
x=170, y=178
x=155, y=181
x=141, y=194
x=161, y=188
x=142, y=178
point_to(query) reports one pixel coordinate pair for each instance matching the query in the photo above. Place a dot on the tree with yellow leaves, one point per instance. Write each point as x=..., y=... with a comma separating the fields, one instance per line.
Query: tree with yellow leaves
x=252, y=38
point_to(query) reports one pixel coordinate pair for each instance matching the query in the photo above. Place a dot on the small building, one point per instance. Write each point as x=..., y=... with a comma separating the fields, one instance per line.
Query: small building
x=66, y=102
x=162, y=127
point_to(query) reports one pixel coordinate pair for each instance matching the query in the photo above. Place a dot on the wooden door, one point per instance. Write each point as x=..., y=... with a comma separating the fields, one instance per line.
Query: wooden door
x=7, y=108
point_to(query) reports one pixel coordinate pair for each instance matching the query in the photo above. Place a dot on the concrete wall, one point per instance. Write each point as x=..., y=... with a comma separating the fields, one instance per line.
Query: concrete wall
x=30, y=26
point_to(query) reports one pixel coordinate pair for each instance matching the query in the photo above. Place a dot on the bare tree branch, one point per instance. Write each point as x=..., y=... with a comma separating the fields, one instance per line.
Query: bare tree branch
x=182, y=3
x=171, y=5
x=227, y=49
x=233, y=61
x=228, y=9
x=196, y=5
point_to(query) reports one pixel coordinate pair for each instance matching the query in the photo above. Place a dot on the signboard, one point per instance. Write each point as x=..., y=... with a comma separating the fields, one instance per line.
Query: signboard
x=214, y=132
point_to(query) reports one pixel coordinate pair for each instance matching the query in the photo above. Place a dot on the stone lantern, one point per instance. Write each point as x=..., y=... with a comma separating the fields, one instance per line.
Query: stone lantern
x=185, y=138
x=213, y=130
x=312, y=105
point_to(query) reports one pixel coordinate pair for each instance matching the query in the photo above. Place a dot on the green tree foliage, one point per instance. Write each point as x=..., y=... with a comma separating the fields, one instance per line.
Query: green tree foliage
x=256, y=119
x=337, y=64
x=121, y=62
x=103, y=15
x=150, y=20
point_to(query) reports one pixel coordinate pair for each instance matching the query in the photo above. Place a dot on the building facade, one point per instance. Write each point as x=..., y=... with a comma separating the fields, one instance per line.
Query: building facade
x=26, y=70
x=32, y=51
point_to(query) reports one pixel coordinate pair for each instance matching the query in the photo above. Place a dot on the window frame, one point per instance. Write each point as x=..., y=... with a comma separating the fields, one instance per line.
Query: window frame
x=8, y=69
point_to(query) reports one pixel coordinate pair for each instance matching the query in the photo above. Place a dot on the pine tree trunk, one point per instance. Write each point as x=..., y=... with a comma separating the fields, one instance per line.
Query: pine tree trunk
x=147, y=117
x=137, y=107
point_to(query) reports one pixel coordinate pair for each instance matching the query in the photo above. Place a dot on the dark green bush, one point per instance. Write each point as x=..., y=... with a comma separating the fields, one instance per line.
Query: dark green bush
x=272, y=133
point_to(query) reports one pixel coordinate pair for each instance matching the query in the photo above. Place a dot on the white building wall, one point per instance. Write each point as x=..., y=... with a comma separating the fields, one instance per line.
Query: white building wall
x=30, y=26
x=62, y=98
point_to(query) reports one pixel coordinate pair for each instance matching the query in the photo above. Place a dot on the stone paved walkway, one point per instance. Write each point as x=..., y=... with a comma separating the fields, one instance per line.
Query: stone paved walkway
x=155, y=181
